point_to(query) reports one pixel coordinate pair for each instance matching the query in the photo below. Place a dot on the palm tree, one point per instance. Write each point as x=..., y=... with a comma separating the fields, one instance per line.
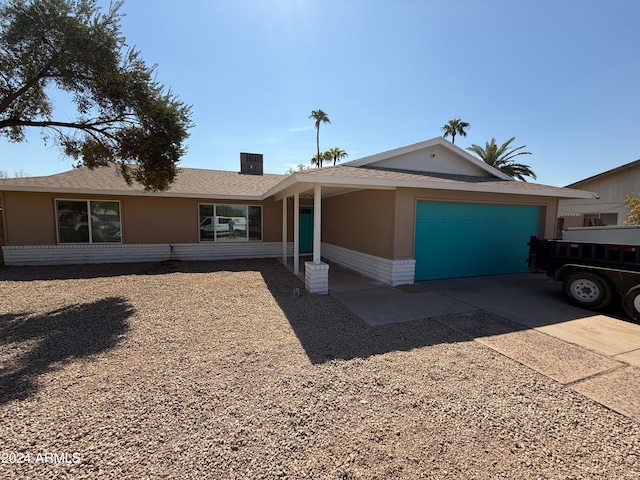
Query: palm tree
x=336, y=154
x=318, y=159
x=455, y=127
x=501, y=158
x=319, y=116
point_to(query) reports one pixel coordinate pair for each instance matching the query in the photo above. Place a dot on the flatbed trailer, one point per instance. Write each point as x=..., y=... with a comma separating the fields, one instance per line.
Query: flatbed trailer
x=594, y=275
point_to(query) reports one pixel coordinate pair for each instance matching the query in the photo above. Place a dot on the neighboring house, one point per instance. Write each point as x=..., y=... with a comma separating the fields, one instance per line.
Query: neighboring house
x=424, y=211
x=607, y=207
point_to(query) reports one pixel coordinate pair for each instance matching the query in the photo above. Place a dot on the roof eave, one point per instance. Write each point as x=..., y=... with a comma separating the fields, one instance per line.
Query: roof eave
x=284, y=185
x=328, y=180
x=129, y=193
x=492, y=188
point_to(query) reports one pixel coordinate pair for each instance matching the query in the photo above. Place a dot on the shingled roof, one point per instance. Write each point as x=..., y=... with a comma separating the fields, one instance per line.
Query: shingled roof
x=378, y=177
x=369, y=172
x=190, y=182
x=201, y=183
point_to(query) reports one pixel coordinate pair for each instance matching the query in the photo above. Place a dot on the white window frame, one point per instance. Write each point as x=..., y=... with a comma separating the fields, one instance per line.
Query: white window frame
x=88, y=202
x=599, y=216
x=215, y=217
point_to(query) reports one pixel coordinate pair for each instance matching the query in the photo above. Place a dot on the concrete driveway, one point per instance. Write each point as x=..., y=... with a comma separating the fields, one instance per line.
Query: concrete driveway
x=525, y=317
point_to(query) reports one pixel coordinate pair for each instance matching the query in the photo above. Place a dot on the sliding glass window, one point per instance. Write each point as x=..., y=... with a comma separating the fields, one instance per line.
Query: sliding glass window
x=230, y=223
x=88, y=221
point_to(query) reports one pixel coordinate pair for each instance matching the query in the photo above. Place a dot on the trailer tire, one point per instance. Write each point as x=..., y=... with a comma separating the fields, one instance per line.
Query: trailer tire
x=631, y=303
x=588, y=290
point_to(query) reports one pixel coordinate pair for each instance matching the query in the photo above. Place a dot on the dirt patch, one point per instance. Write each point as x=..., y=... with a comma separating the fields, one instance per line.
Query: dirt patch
x=216, y=370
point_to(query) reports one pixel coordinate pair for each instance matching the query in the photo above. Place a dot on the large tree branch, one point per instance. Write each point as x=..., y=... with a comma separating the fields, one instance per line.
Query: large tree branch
x=32, y=82
x=93, y=127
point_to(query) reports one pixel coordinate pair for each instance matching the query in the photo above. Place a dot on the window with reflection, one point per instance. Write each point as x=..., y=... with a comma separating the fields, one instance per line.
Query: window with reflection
x=230, y=223
x=88, y=221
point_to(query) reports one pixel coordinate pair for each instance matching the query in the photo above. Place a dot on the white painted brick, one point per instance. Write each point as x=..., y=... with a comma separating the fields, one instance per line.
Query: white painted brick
x=125, y=253
x=391, y=272
x=316, y=276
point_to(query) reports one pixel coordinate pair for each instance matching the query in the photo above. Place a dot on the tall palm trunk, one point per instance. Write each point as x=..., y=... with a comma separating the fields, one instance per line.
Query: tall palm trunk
x=319, y=116
x=318, y=143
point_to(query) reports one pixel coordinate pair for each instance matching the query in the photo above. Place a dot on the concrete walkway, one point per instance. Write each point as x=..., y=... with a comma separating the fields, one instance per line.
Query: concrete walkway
x=525, y=317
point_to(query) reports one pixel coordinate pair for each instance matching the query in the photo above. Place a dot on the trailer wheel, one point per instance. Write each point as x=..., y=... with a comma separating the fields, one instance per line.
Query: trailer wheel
x=631, y=303
x=588, y=290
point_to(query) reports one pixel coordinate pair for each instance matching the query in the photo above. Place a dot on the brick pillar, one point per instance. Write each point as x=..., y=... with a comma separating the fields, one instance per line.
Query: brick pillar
x=316, y=277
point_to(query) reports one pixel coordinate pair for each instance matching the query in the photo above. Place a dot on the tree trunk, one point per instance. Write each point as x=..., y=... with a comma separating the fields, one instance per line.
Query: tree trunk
x=318, y=144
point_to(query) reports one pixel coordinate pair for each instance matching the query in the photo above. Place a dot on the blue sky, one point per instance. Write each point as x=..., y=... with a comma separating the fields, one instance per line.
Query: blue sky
x=559, y=75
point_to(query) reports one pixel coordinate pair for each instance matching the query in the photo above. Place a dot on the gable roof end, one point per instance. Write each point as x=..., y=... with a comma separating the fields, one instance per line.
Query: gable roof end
x=477, y=162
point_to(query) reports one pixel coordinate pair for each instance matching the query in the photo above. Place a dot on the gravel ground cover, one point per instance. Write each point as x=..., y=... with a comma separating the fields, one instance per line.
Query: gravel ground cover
x=215, y=370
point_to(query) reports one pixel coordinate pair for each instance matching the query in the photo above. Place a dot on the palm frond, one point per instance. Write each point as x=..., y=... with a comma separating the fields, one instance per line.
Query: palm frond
x=501, y=158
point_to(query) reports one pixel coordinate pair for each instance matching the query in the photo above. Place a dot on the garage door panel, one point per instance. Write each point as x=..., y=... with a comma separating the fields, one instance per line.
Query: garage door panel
x=461, y=240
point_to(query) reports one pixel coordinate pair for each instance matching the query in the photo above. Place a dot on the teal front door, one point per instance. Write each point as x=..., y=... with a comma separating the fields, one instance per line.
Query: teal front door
x=466, y=240
x=306, y=229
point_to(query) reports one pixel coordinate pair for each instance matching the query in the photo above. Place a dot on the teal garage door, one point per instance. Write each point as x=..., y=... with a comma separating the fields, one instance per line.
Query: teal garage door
x=465, y=240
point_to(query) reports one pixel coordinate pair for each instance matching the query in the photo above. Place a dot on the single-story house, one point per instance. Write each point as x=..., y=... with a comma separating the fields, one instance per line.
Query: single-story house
x=608, y=207
x=425, y=211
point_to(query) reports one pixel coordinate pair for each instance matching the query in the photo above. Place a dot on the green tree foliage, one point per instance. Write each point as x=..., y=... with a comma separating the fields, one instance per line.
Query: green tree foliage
x=298, y=168
x=501, y=158
x=632, y=202
x=317, y=160
x=319, y=117
x=123, y=115
x=455, y=127
x=336, y=154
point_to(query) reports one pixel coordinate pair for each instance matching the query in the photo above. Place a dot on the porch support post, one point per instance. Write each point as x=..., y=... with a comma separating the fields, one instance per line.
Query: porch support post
x=317, y=216
x=296, y=233
x=284, y=230
x=316, y=273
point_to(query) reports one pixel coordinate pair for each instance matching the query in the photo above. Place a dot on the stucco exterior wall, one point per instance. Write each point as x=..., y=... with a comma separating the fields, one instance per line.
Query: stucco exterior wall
x=361, y=221
x=30, y=218
x=405, y=212
x=374, y=222
x=176, y=220
x=159, y=220
x=271, y=220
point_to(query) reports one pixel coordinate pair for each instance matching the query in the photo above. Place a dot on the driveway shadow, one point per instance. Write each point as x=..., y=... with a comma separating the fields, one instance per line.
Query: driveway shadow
x=327, y=330
x=106, y=270
x=45, y=342
x=532, y=300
